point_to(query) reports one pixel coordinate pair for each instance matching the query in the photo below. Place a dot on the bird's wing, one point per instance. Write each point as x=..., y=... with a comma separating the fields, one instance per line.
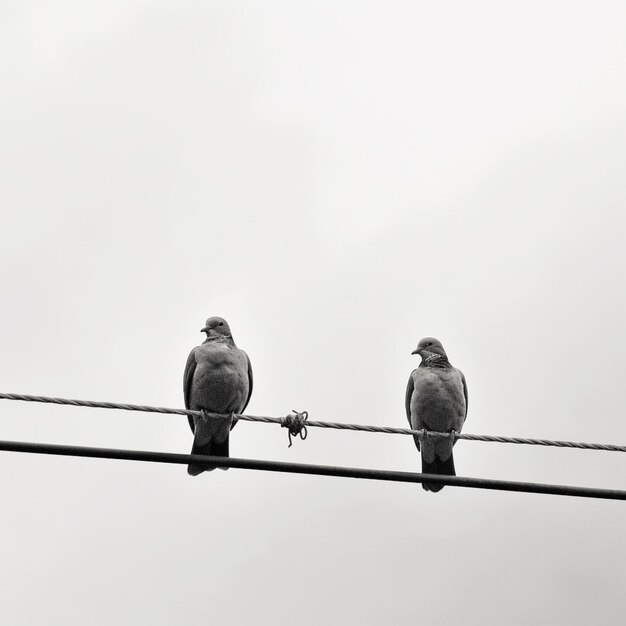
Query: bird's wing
x=250, y=383
x=464, y=390
x=407, y=398
x=190, y=368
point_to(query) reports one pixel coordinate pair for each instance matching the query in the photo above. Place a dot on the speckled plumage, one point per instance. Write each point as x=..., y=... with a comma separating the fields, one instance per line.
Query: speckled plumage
x=218, y=379
x=436, y=399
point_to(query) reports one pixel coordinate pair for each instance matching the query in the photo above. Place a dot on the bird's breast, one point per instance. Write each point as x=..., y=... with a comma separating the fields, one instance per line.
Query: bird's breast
x=220, y=381
x=438, y=400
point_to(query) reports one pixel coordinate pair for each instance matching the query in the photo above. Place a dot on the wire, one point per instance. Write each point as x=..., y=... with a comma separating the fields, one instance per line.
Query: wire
x=288, y=421
x=302, y=468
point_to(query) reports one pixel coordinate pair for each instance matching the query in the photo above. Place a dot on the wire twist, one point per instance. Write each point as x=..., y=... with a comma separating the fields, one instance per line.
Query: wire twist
x=295, y=423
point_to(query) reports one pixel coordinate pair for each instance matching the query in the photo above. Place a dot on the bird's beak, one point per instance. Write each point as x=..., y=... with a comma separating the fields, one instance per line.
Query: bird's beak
x=416, y=351
x=205, y=329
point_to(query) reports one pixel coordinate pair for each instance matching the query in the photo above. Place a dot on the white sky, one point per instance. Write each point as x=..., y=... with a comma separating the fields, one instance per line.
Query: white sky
x=337, y=179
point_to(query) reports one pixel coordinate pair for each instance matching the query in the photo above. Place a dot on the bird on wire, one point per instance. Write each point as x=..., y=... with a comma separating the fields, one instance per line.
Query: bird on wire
x=436, y=400
x=218, y=382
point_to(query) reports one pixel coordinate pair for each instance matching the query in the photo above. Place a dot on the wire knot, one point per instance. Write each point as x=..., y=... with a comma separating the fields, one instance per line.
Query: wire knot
x=295, y=423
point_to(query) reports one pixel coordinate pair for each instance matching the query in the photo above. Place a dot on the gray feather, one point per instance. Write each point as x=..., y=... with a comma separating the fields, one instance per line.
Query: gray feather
x=436, y=400
x=217, y=379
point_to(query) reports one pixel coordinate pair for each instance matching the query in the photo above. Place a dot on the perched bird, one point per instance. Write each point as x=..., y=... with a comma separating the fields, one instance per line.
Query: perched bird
x=436, y=399
x=218, y=379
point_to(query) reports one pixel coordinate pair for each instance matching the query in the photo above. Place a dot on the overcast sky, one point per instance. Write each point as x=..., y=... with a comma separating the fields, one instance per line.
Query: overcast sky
x=336, y=179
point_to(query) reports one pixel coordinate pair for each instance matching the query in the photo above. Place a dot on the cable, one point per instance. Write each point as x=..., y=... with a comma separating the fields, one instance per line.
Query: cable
x=318, y=470
x=288, y=422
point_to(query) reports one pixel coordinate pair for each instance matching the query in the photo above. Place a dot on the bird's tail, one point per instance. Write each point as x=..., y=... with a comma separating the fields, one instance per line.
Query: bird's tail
x=211, y=439
x=210, y=449
x=437, y=467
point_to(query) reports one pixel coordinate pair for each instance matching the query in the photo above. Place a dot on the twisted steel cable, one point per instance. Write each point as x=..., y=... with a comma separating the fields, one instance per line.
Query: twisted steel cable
x=296, y=423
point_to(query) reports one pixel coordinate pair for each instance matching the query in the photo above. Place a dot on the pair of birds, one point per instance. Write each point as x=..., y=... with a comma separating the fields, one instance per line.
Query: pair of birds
x=218, y=382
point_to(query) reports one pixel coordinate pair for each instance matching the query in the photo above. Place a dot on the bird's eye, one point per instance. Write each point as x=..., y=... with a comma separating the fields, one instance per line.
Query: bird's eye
x=221, y=324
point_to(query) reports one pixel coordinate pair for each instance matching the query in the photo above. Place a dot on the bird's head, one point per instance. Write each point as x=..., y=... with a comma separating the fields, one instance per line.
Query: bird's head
x=430, y=348
x=216, y=327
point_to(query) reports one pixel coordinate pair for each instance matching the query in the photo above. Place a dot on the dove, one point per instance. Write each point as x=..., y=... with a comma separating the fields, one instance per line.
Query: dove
x=218, y=379
x=436, y=399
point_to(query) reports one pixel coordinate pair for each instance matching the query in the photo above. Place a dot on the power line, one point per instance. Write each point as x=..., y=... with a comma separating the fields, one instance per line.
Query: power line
x=302, y=468
x=291, y=420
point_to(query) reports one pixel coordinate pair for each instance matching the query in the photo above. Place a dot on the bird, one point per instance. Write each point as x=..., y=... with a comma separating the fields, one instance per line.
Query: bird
x=436, y=399
x=217, y=379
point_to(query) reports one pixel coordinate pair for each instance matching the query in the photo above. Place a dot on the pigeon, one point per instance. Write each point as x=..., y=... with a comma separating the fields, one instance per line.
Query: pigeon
x=218, y=379
x=436, y=399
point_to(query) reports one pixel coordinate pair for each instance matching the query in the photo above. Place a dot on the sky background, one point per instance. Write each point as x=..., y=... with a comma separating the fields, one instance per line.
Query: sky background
x=336, y=179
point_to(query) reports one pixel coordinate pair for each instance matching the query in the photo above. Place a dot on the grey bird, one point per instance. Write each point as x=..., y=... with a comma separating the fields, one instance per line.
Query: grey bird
x=436, y=399
x=218, y=379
